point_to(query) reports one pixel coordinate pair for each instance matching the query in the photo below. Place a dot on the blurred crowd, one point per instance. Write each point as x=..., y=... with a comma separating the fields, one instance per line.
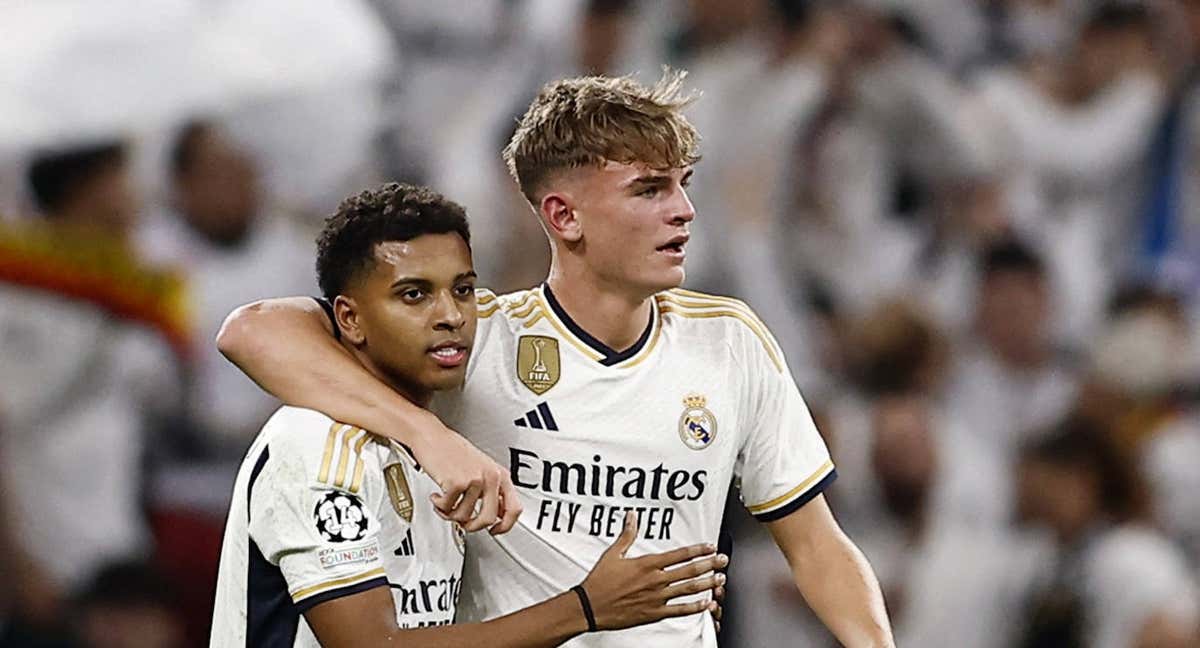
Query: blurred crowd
x=973, y=225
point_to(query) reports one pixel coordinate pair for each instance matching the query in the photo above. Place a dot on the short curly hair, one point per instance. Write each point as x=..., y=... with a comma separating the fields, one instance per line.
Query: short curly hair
x=588, y=120
x=393, y=212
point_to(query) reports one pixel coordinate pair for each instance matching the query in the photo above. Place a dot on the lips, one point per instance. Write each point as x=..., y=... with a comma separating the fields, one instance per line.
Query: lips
x=449, y=354
x=675, y=245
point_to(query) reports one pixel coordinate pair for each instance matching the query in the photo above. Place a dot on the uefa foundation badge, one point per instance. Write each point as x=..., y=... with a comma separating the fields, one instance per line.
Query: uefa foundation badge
x=697, y=425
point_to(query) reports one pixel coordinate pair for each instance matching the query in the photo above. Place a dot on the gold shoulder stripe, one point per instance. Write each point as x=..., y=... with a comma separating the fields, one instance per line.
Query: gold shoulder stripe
x=344, y=459
x=488, y=311
x=359, y=463
x=514, y=303
x=302, y=594
x=790, y=495
x=731, y=301
x=327, y=458
x=535, y=319
x=483, y=296
x=525, y=312
x=763, y=337
x=699, y=300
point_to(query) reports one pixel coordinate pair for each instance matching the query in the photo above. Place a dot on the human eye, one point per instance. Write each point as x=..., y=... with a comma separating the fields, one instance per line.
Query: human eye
x=648, y=192
x=464, y=291
x=411, y=295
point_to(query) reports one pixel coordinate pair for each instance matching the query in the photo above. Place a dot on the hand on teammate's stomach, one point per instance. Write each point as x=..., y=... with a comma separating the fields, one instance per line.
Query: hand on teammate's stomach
x=625, y=592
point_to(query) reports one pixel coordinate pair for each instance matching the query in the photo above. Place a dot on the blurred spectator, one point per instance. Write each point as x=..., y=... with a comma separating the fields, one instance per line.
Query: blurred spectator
x=1076, y=129
x=233, y=249
x=86, y=332
x=1009, y=379
x=946, y=583
x=127, y=605
x=1139, y=384
x=1111, y=578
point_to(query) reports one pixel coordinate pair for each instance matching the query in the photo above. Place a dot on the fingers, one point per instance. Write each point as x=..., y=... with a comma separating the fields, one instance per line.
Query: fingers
x=684, y=609
x=676, y=556
x=464, y=510
x=444, y=501
x=487, y=511
x=693, y=586
x=692, y=569
x=628, y=534
x=510, y=506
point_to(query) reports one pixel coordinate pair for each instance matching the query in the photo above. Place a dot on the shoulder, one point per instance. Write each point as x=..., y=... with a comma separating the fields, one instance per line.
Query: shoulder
x=309, y=447
x=728, y=317
x=512, y=308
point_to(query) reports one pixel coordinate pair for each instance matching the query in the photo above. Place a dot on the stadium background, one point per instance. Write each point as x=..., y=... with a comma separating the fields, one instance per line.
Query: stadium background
x=974, y=226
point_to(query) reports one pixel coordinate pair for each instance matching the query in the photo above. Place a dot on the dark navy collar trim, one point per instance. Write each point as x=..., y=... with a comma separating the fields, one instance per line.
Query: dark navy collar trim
x=610, y=355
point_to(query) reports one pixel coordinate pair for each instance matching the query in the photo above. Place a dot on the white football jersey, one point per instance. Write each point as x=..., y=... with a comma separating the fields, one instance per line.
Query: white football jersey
x=703, y=399
x=323, y=510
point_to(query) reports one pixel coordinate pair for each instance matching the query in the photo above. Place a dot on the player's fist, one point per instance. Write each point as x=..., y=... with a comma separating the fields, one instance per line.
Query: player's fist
x=476, y=492
x=626, y=592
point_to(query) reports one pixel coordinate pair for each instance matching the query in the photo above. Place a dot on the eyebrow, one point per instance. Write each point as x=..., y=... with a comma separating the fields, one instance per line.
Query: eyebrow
x=656, y=179
x=425, y=283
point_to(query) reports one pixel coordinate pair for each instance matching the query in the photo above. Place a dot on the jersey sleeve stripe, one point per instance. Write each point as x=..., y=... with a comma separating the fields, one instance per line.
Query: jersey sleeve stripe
x=344, y=459
x=359, y=463
x=327, y=457
x=484, y=296
x=699, y=300
x=489, y=311
x=524, y=312
x=803, y=491
x=534, y=320
x=672, y=307
x=693, y=299
x=337, y=584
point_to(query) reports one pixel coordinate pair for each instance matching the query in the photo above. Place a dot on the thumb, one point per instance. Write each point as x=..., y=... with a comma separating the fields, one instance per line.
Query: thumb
x=628, y=534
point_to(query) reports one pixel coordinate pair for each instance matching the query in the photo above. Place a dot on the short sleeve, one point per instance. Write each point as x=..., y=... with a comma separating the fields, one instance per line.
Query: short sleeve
x=783, y=462
x=312, y=515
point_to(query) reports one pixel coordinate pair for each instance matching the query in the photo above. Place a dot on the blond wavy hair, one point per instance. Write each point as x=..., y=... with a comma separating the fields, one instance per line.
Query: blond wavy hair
x=590, y=120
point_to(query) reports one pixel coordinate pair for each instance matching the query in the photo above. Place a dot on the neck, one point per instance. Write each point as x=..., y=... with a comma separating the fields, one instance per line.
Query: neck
x=613, y=316
x=415, y=395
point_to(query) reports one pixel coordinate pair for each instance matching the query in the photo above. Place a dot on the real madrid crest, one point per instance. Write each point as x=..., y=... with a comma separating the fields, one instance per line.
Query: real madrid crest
x=697, y=425
x=538, y=366
x=398, y=491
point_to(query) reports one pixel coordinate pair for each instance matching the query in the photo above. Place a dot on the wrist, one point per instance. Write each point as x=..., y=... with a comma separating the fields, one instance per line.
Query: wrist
x=409, y=424
x=569, y=619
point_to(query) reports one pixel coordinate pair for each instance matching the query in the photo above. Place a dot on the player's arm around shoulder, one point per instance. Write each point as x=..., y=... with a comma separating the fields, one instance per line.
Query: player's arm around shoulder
x=288, y=346
x=620, y=592
x=833, y=575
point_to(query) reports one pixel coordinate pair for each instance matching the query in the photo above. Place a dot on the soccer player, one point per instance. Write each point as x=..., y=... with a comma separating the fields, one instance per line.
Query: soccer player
x=331, y=536
x=608, y=388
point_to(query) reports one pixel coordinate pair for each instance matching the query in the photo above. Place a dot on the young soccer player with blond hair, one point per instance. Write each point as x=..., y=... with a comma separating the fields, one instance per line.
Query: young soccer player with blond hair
x=608, y=388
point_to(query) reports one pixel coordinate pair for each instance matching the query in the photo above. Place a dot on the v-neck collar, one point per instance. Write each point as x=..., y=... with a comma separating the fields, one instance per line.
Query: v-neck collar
x=608, y=355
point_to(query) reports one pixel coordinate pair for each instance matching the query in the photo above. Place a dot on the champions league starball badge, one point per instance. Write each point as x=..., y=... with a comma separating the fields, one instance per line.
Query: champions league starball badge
x=340, y=517
x=697, y=425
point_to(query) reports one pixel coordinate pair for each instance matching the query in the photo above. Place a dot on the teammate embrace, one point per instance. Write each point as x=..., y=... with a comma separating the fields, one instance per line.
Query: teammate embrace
x=604, y=390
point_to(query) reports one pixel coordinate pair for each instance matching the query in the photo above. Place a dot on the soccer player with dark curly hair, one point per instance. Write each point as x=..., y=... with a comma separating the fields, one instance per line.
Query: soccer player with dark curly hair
x=608, y=388
x=332, y=539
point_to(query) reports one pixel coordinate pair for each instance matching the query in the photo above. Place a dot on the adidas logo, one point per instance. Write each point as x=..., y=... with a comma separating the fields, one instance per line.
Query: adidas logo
x=538, y=418
x=406, y=545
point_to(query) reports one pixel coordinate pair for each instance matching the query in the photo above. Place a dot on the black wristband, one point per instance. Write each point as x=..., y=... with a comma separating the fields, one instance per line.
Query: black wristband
x=587, y=606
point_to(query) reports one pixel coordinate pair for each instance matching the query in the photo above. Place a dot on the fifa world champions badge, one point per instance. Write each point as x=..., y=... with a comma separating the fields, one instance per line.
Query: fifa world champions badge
x=538, y=363
x=398, y=491
x=697, y=425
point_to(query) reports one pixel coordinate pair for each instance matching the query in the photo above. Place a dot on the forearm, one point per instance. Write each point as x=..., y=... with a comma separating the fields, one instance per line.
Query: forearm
x=287, y=347
x=547, y=624
x=840, y=586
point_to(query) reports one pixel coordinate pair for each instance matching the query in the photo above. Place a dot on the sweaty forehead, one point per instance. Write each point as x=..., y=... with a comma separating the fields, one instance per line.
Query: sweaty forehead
x=430, y=256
